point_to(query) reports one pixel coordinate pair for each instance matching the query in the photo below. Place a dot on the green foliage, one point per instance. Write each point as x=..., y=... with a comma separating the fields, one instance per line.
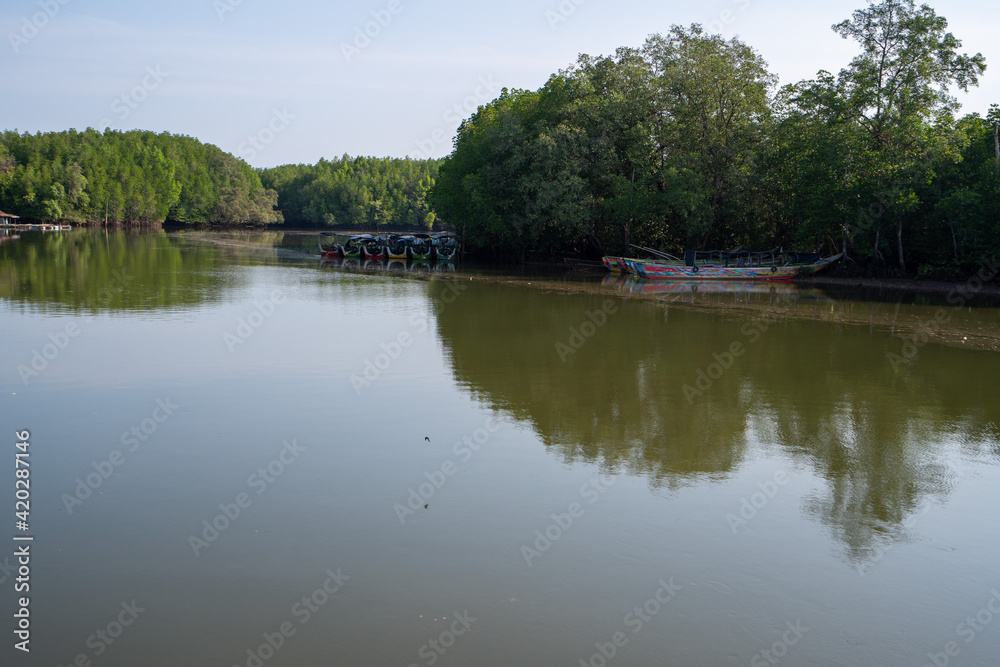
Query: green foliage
x=896, y=93
x=355, y=192
x=132, y=177
x=682, y=143
x=656, y=144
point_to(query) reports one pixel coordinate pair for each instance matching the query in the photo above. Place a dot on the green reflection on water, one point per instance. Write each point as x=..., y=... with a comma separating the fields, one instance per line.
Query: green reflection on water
x=631, y=377
x=89, y=271
x=820, y=394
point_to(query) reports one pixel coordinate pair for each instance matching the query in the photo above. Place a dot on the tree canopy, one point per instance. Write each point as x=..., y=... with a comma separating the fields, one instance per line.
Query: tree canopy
x=683, y=142
x=355, y=192
x=686, y=142
x=131, y=177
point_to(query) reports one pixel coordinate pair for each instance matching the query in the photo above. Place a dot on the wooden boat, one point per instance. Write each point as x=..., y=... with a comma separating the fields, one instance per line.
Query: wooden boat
x=718, y=265
x=444, y=246
x=397, y=247
x=374, y=247
x=421, y=247
x=331, y=251
x=352, y=247
x=616, y=265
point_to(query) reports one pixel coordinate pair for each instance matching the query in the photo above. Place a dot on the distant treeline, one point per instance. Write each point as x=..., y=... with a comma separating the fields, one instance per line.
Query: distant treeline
x=130, y=177
x=142, y=177
x=687, y=142
x=355, y=192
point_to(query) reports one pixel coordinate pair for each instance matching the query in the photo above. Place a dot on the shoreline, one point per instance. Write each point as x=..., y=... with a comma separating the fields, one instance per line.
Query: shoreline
x=989, y=287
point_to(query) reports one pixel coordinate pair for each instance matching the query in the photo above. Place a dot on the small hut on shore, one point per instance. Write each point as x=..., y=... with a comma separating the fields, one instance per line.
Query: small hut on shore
x=7, y=218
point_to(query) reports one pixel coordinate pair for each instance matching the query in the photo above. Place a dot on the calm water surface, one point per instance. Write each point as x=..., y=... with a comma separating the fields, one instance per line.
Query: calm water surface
x=248, y=458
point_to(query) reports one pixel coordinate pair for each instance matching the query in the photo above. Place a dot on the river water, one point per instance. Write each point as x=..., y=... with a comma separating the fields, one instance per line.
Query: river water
x=241, y=456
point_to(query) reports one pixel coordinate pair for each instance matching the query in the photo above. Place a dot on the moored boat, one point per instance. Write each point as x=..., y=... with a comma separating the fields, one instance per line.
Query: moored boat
x=421, y=247
x=615, y=265
x=331, y=250
x=733, y=266
x=444, y=246
x=352, y=247
x=397, y=247
x=374, y=247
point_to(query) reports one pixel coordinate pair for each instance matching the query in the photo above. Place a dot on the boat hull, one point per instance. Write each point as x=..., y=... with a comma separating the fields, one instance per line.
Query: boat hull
x=331, y=252
x=615, y=265
x=653, y=270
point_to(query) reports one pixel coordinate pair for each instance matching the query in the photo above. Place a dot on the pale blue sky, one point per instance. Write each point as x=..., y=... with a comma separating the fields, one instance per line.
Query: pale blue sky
x=225, y=71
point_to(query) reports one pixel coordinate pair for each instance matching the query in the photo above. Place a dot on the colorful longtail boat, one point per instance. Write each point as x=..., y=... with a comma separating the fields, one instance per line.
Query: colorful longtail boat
x=445, y=247
x=374, y=247
x=718, y=265
x=421, y=247
x=397, y=247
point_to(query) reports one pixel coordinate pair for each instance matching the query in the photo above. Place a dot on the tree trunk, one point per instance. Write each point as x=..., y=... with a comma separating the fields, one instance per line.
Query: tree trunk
x=996, y=140
x=899, y=238
x=954, y=242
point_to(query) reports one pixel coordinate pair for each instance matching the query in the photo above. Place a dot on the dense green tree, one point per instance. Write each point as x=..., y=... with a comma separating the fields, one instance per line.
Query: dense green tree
x=354, y=192
x=657, y=143
x=683, y=143
x=896, y=91
x=712, y=107
x=129, y=177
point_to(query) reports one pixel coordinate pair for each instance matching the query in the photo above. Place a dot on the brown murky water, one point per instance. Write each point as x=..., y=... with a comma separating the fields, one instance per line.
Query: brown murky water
x=243, y=457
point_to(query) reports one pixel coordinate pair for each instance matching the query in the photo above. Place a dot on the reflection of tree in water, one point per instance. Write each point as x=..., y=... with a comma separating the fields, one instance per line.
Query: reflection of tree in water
x=115, y=271
x=822, y=394
x=615, y=401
